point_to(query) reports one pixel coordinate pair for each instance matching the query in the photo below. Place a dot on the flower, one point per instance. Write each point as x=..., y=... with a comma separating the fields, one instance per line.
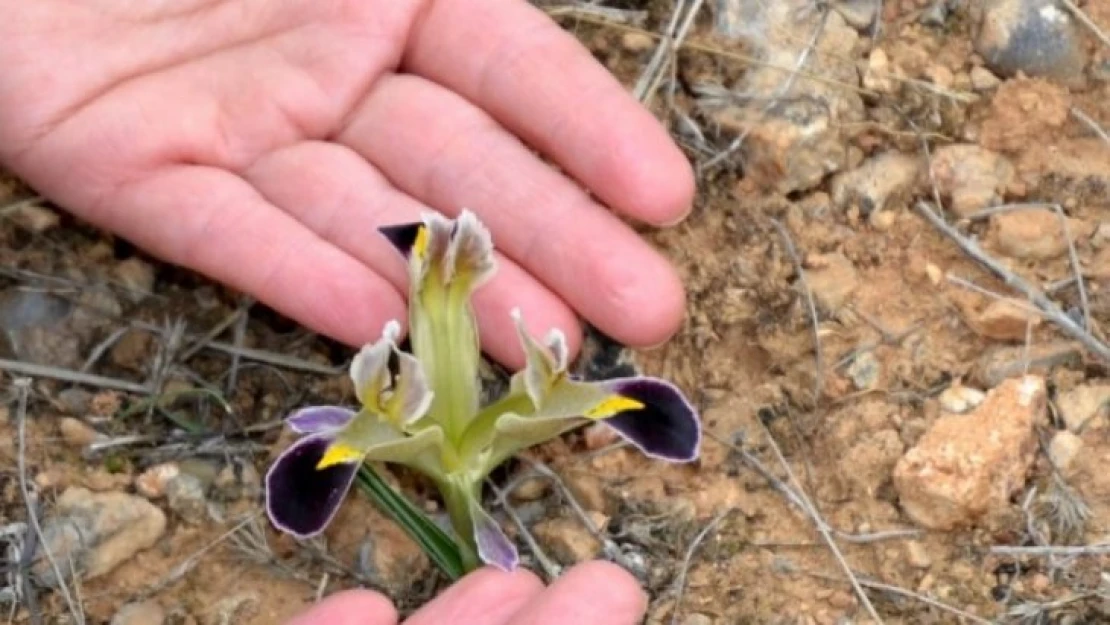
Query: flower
x=422, y=409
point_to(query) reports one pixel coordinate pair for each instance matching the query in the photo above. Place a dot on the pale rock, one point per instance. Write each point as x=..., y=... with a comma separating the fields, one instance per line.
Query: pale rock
x=983, y=80
x=859, y=14
x=36, y=218
x=865, y=370
x=1084, y=407
x=833, y=280
x=148, y=612
x=958, y=399
x=97, y=532
x=1003, y=362
x=1064, y=449
x=917, y=555
x=531, y=489
x=970, y=177
x=568, y=540
x=133, y=351
x=634, y=41
x=77, y=433
x=185, y=495
x=152, y=482
x=598, y=435
x=697, y=619
x=1033, y=234
x=879, y=182
x=237, y=480
x=1006, y=319
x=587, y=490
x=137, y=276
x=967, y=466
x=879, y=75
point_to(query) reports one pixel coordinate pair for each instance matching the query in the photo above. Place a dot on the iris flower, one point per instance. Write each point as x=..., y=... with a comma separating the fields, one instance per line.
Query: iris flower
x=421, y=410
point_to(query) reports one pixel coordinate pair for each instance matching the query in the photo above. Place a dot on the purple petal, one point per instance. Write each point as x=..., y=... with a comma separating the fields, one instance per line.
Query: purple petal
x=301, y=499
x=494, y=547
x=319, y=419
x=667, y=427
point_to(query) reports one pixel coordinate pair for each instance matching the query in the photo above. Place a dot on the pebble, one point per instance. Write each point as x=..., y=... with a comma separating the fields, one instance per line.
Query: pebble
x=1084, y=407
x=1032, y=234
x=967, y=466
x=148, y=612
x=35, y=218
x=77, y=433
x=133, y=351
x=137, y=276
x=587, y=490
x=958, y=399
x=697, y=619
x=634, y=41
x=917, y=555
x=1001, y=363
x=237, y=480
x=833, y=280
x=1007, y=319
x=880, y=181
x=859, y=14
x=568, y=540
x=982, y=79
x=74, y=400
x=864, y=370
x=97, y=532
x=880, y=75
x=1064, y=449
x=1035, y=37
x=45, y=329
x=531, y=489
x=970, y=177
x=152, y=482
x=185, y=496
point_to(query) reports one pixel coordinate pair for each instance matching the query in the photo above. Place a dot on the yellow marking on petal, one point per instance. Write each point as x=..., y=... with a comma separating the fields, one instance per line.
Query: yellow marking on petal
x=420, y=245
x=338, y=453
x=611, y=406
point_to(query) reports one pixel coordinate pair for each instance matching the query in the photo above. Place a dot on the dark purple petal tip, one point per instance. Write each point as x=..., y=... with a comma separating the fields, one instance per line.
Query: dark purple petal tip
x=667, y=427
x=319, y=419
x=300, y=499
x=494, y=547
x=402, y=236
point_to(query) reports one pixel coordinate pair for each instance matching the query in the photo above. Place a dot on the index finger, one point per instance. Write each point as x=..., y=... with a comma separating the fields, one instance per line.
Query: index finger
x=538, y=81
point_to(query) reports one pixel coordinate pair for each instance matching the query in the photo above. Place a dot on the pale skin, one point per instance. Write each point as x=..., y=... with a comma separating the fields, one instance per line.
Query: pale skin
x=261, y=143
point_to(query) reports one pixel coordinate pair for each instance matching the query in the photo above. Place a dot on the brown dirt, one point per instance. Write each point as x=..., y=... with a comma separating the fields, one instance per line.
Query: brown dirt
x=746, y=354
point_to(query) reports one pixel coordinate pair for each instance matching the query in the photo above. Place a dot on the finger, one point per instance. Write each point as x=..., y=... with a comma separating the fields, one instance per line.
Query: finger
x=215, y=223
x=352, y=607
x=509, y=59
x=335, y=193
x=456, y=157
x=594, y=593
x=485, y=597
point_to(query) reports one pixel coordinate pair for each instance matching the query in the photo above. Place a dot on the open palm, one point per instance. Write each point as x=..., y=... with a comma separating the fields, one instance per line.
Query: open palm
x=261, y=142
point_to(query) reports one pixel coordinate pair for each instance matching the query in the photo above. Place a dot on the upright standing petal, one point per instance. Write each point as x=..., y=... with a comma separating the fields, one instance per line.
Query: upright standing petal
x=411, y=396
x=370, y=366
x=319, y=419
x=541, y=366
x=301, y=499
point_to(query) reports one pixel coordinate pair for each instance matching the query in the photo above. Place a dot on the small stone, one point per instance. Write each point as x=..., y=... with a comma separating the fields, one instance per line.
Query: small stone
x=148, y=612
x=568, y=540
x=983, y=80
x=598, y=436
x=152, y=483
x=1007, y=319
x=697, y=619
x=880, y=74
x=833, y=280
x=936, y=14
x=5, y=415
x=587, y=490
x=133, y=351
x=877, y=183
x=917, y=556
x=958, y=399
x=967, y=466
x=1033, y=37
x=971, y=177
x=97, y=532
x=35, y=218
x=77, y=433
x=1064, y=448
x=1000, y=363
x=237, y=480
x=864, y=370
x=634, y=41
x=185, y=496
x=75, y=400
x=1084, y=407
x=137, y=276
x=531, y=489
x=1033, y=234
x=934, y=273
x=859, y=14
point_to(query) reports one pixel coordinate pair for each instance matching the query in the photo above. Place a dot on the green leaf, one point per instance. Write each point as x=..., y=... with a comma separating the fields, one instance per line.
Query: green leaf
x=438, y=544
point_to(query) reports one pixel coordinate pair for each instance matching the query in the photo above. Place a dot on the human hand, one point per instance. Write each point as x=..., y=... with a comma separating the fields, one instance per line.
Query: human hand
x=261, y=142
x=594, y=593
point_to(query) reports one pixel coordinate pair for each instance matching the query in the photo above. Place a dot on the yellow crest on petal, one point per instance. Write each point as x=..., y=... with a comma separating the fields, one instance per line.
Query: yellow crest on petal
x=338, y=453
x=612, y=405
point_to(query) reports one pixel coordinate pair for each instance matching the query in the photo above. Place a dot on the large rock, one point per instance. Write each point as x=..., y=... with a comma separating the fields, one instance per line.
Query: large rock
x=1034, y=37
x=966, y=466
x=971, y=177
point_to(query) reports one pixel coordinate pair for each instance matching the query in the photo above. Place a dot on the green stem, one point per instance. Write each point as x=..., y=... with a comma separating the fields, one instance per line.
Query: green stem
x=457, y=495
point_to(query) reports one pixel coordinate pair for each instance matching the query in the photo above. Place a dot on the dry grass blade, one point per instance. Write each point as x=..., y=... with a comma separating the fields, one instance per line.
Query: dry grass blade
x=67, y=375
x=815, y=321
x=680, y=581
x=1050, y=309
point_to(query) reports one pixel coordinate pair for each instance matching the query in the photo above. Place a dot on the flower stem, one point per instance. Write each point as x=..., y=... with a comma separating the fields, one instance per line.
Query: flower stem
x=457, y=495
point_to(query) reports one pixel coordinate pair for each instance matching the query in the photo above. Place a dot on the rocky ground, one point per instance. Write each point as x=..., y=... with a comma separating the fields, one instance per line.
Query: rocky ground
x=899, y=270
